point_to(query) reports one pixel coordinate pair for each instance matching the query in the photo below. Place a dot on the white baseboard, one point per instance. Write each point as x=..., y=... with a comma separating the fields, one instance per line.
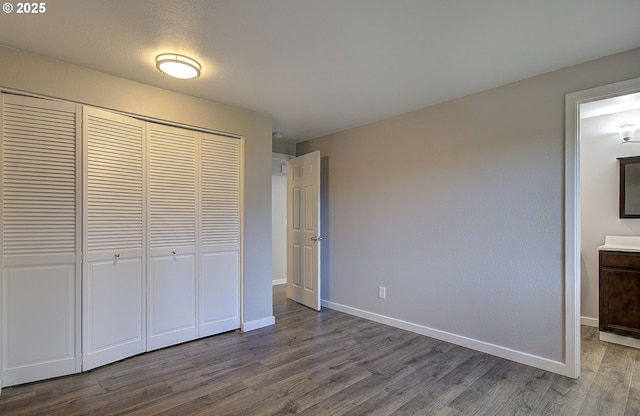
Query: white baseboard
x=584, y=320
x=258, y=323
x=502, y=352
x=280, y=282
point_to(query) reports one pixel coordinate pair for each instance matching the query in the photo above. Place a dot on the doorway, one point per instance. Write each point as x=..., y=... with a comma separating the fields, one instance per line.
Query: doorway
x=279, y=218
x=573, y=257
x=600, y=147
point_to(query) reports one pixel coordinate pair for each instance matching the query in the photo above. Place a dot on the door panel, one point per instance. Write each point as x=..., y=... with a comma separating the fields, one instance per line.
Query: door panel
x=172, y=295
x=41, y=344
x=219, y=293
x=113, y=312
x=113, y=296
x=40, y=239
x=172, y=242
x=219, y=250
x=303, y=227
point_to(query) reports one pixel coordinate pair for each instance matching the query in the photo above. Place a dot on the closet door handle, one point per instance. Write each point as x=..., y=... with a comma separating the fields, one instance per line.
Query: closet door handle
x=116, y=255
x=174, y=252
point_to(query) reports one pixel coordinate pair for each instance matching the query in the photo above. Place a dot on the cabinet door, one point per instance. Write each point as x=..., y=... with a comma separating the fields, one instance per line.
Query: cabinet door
x=40, y=240
x=172, y=236
x=113, y=289
x=619, y=301
x=219, y=277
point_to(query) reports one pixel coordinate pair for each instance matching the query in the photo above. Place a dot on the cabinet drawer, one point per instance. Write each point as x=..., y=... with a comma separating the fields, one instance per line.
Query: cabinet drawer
x=620, y=259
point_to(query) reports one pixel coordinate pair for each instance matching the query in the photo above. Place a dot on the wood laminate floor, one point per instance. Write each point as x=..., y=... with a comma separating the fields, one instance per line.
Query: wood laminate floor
x=330, y=363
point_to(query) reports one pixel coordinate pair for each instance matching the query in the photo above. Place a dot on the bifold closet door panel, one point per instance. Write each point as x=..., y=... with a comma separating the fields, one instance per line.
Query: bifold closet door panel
x=219, y=277
x=172, y=231
x=40, y=240
x=114, y=270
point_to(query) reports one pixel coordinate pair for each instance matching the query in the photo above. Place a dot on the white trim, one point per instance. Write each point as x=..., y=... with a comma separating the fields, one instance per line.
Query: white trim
x=258, y=323
x=498, y=351
x=241, y=287
x=572, y=238
x=586, y=321
x=572, y=212
x=277, y=282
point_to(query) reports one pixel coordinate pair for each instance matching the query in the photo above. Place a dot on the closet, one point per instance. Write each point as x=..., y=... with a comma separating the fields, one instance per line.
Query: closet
x=119, y=236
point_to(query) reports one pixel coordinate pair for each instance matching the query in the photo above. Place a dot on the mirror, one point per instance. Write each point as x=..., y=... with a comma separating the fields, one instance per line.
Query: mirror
x=629, y=187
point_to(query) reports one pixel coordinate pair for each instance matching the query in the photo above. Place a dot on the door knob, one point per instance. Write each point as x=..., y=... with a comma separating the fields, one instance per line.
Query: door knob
x=316, y=238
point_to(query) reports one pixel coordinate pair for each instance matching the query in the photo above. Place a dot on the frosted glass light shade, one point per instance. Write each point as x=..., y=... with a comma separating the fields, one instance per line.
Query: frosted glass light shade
x=178, y=66
x=626, y=132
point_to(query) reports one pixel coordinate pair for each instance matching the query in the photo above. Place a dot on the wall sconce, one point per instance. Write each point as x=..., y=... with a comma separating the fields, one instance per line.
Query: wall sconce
x=178, y=66
x=626, y=132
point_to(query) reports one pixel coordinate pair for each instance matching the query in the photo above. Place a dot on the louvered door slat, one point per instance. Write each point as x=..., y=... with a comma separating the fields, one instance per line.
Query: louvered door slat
x=172, y=187
x=115, y=186
x=220, y=190
x=39, y=178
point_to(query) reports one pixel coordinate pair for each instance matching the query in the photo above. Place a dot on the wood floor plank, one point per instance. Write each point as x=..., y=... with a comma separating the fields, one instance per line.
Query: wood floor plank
x=610, y=388
x=438, y=384
x=330, y=363
x=419, y=385
x=633, y=399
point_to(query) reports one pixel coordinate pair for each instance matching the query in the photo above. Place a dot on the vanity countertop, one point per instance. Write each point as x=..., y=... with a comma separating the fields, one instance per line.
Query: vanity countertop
x=621, y=243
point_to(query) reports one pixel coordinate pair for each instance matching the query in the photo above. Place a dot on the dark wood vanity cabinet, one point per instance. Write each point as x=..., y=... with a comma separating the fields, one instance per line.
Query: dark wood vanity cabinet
x=620, y=292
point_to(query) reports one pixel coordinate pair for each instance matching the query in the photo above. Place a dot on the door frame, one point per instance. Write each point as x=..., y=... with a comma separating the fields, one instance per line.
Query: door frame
x=572, y=220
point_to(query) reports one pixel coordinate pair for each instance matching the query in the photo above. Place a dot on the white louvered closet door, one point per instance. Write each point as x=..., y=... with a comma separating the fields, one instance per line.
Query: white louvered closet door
x=114, y=269
x=172, y=236
x=40, y=240
x=219, y=278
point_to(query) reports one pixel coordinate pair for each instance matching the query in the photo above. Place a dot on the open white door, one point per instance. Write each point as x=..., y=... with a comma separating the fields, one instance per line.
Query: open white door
x=303, y=227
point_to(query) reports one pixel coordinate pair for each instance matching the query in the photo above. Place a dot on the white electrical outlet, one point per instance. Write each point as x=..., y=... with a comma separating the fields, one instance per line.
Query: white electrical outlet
x=382, y=292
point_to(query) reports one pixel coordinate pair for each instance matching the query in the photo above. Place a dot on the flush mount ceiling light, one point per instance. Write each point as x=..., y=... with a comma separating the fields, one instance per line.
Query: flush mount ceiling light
x=178, y=66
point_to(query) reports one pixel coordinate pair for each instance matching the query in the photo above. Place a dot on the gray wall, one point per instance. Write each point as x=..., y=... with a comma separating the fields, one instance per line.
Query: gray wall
x=34, y=74
x=457, y=209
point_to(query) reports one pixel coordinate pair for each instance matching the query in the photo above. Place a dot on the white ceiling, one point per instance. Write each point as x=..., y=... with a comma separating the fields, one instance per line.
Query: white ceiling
x=612, y=105
x=319, y=66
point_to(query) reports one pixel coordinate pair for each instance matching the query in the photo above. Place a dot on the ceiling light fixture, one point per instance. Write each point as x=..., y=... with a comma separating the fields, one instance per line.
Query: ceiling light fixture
x=178, y=66
x=626, y=132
